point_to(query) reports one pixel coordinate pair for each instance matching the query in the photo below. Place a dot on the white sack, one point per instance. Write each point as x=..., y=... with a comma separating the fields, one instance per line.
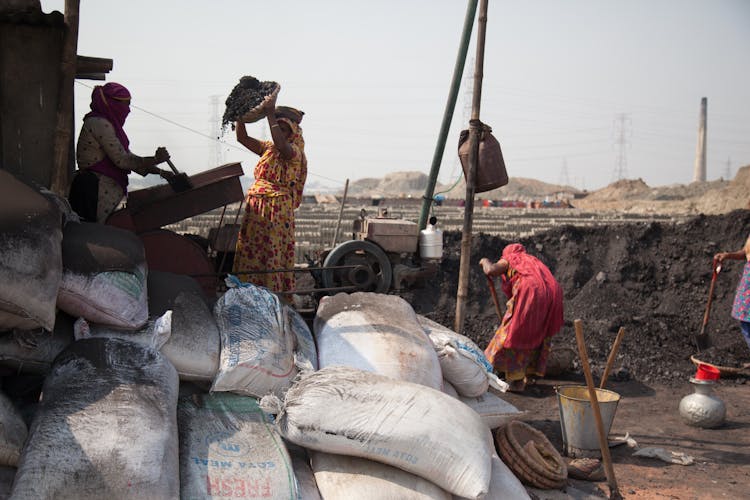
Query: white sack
x=504, y=485
x=305, y=351
x=308, y=488
x=106, y=426
x=30, y=256
x=352, y=412
x=463, y=363
x=495, y=411
x=13, y=432
x=229, y=449
x=377, y=333
x=341, y=477
x=257, y=348
x=450, y=390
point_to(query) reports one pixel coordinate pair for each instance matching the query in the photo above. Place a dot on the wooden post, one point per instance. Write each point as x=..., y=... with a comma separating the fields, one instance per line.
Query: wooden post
x=611, y=358
x=474, y=129
x=614, y=492
x=64, y=126
x=341, y=213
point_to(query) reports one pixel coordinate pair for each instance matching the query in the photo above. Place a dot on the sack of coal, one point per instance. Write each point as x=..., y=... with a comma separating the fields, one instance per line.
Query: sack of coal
x=13, y=432
x=230, y=449
x=245, y=99
x=33, y=351
x=6, y=480
x=106, y=426
x=104, y=275
x=30, y=256
x=181, y=325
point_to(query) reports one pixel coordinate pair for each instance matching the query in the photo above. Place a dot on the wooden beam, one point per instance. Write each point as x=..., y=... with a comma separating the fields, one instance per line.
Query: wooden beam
x=64, y=127
x=91, y=76
x=93, y=65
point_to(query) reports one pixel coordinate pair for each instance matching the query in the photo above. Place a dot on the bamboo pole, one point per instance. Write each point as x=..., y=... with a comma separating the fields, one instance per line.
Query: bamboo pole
x=474, y=129
x=341, y=214
x=450, y=106
x=64, y=127
x=614, y=492
x=611, y=358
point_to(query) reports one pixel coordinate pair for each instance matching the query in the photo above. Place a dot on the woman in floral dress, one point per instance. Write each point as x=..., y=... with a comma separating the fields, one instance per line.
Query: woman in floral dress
x=266, y=238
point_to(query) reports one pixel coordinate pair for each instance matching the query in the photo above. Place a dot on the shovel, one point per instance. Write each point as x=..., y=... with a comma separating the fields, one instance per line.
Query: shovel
x=180, y=182
x=702, y=340
x=493, y=292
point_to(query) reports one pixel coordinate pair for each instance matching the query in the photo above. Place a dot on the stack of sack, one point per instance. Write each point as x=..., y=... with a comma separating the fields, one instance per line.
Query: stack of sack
x=152, y=391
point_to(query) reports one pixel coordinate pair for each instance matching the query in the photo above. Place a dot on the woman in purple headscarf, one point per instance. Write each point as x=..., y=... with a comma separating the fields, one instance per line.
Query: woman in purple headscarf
x=104, y=157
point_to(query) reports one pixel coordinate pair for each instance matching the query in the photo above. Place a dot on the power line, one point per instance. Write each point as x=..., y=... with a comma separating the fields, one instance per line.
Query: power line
x=217, y=153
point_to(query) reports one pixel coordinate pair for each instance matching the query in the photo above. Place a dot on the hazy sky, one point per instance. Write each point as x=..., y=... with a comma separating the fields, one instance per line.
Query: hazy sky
x=567, y=83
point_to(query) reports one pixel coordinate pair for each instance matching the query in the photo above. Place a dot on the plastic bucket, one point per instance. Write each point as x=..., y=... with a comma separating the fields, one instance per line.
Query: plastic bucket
x=579, y=434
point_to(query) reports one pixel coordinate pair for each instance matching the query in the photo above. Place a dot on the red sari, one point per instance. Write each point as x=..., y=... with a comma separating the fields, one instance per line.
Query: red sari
x=533, y=315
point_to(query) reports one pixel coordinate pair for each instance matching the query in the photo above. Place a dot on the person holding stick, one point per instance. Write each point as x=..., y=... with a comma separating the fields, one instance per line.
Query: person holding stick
x=104, y=157
x=534, y=313
x=741, y=305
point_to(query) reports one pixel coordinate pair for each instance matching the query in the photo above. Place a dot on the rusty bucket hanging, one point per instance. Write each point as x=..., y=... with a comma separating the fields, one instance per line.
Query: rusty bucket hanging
x=491, y=171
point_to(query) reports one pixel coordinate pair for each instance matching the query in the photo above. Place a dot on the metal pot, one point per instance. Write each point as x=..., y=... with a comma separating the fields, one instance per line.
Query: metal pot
x=703, y=408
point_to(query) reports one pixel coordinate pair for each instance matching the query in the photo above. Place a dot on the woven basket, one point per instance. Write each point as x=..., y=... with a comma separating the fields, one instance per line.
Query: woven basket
x=257, y=113
x=531, y=456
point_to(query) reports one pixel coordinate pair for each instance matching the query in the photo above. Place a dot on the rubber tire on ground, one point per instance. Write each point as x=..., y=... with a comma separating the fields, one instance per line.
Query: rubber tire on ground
x=360, y=252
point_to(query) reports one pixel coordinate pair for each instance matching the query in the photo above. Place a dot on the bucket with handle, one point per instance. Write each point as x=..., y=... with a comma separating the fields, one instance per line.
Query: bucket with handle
x=579, y=434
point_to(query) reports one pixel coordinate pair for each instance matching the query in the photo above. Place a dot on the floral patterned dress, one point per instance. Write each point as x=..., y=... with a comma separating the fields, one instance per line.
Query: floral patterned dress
x=741, y=306
x=266, y=239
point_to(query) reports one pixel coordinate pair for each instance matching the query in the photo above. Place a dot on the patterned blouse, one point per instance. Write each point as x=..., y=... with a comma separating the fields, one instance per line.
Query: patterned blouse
x=98, y=140
x=741, y=306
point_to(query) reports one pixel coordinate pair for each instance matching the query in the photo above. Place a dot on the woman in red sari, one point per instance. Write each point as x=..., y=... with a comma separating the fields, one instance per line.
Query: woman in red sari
x=534, y=314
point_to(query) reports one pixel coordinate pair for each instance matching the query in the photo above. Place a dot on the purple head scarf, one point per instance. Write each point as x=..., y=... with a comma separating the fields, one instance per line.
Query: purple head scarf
x=111, y=101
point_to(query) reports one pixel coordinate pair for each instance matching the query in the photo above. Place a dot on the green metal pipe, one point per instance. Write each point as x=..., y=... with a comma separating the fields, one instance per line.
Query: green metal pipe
x=450, y=106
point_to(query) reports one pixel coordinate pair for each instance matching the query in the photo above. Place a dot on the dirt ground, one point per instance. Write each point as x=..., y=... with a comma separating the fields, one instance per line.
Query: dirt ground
x=649, y=414
x=652, y=279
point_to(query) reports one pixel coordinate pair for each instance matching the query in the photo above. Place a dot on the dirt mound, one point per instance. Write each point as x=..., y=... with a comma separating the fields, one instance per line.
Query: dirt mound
x=634, y=196
x=518, y=188
x=650, y=278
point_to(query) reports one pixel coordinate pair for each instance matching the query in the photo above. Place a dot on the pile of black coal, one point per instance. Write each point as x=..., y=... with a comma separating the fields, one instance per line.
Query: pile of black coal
x=246, y=95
